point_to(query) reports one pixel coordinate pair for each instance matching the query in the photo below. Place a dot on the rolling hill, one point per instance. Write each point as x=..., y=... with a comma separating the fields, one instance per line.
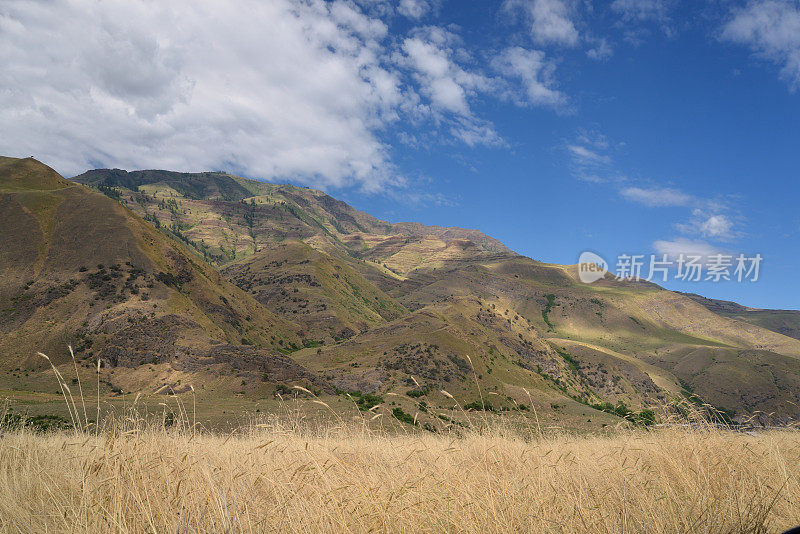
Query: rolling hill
x=78, y=268
x=243, y=277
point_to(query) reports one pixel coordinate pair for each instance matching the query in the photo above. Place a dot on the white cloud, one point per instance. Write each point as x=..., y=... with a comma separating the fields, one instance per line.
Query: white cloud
x=302, y=90
x=681, y=246
x=716, y=226
x=590, y=160
x=534, y=72
x=710, y=225
x=708, y=217
x=602, y=50
x=587, y=156
x=284, y=88
x=431, y=56
x=441, y=80
x=414, y=9
x=473, y=132
x=550, y=20
x=657, y=196
x=770, y=29
x=708, y=220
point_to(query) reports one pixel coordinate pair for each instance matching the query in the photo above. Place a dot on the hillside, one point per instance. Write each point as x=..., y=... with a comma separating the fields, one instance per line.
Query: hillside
x=302, y=288
x=226, y=217
x=390, y=306
x=786, y=322
x=316, y=289
x=77, y=268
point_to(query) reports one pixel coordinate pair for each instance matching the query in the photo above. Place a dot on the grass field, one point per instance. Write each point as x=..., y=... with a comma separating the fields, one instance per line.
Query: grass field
x=346, y=478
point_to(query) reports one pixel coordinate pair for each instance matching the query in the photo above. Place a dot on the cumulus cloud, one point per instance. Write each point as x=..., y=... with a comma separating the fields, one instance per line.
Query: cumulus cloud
x=432, y=55
x=302, y=90
x=657, y=196
x=550, y=20
x=445, y=82
x=283, y=88
x=771, y=29
x=414, y=9
x=534, y=72
x=710, y=225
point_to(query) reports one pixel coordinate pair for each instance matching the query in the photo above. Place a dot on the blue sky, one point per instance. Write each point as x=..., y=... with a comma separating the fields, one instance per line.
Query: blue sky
x=679, y=108
x=557, y=126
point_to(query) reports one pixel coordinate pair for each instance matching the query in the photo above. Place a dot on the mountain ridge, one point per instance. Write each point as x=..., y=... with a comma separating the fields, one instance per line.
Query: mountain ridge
x=375, y=308
x=231, y=188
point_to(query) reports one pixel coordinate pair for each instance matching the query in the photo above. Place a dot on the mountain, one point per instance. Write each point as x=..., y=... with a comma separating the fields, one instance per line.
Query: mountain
x=77, y=267
x=246, y=272
x=227, y=217
x=383, y=306
x=786, y=322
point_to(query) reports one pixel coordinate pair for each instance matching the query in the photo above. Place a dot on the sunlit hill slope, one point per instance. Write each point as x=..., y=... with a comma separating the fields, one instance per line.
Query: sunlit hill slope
x=210, y=278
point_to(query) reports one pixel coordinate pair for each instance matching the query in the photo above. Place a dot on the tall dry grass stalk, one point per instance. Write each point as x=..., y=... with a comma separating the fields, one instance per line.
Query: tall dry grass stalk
x=274, y=477
x=291, y=474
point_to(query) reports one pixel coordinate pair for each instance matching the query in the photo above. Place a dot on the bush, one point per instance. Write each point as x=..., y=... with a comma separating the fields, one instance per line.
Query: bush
x=168, y=279
x=364, y=401
x=281, y=389
x=479, y=406
x=403, y=417
x=36, y=423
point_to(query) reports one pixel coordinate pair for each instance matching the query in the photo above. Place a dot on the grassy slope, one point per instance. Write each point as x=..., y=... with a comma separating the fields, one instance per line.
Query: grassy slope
x=785, y=322
x=302, y=284
x=625, y=339
x=610, y=341
x=230, y=217
x=79, y=268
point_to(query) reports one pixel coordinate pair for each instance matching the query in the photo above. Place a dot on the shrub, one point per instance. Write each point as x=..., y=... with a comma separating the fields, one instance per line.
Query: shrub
x=403, y=417
x=479, y=406
x=364, y=401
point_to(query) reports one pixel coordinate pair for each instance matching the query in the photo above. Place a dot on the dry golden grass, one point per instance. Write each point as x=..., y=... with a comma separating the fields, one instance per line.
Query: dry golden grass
x=144, y=475
x=353, y=480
